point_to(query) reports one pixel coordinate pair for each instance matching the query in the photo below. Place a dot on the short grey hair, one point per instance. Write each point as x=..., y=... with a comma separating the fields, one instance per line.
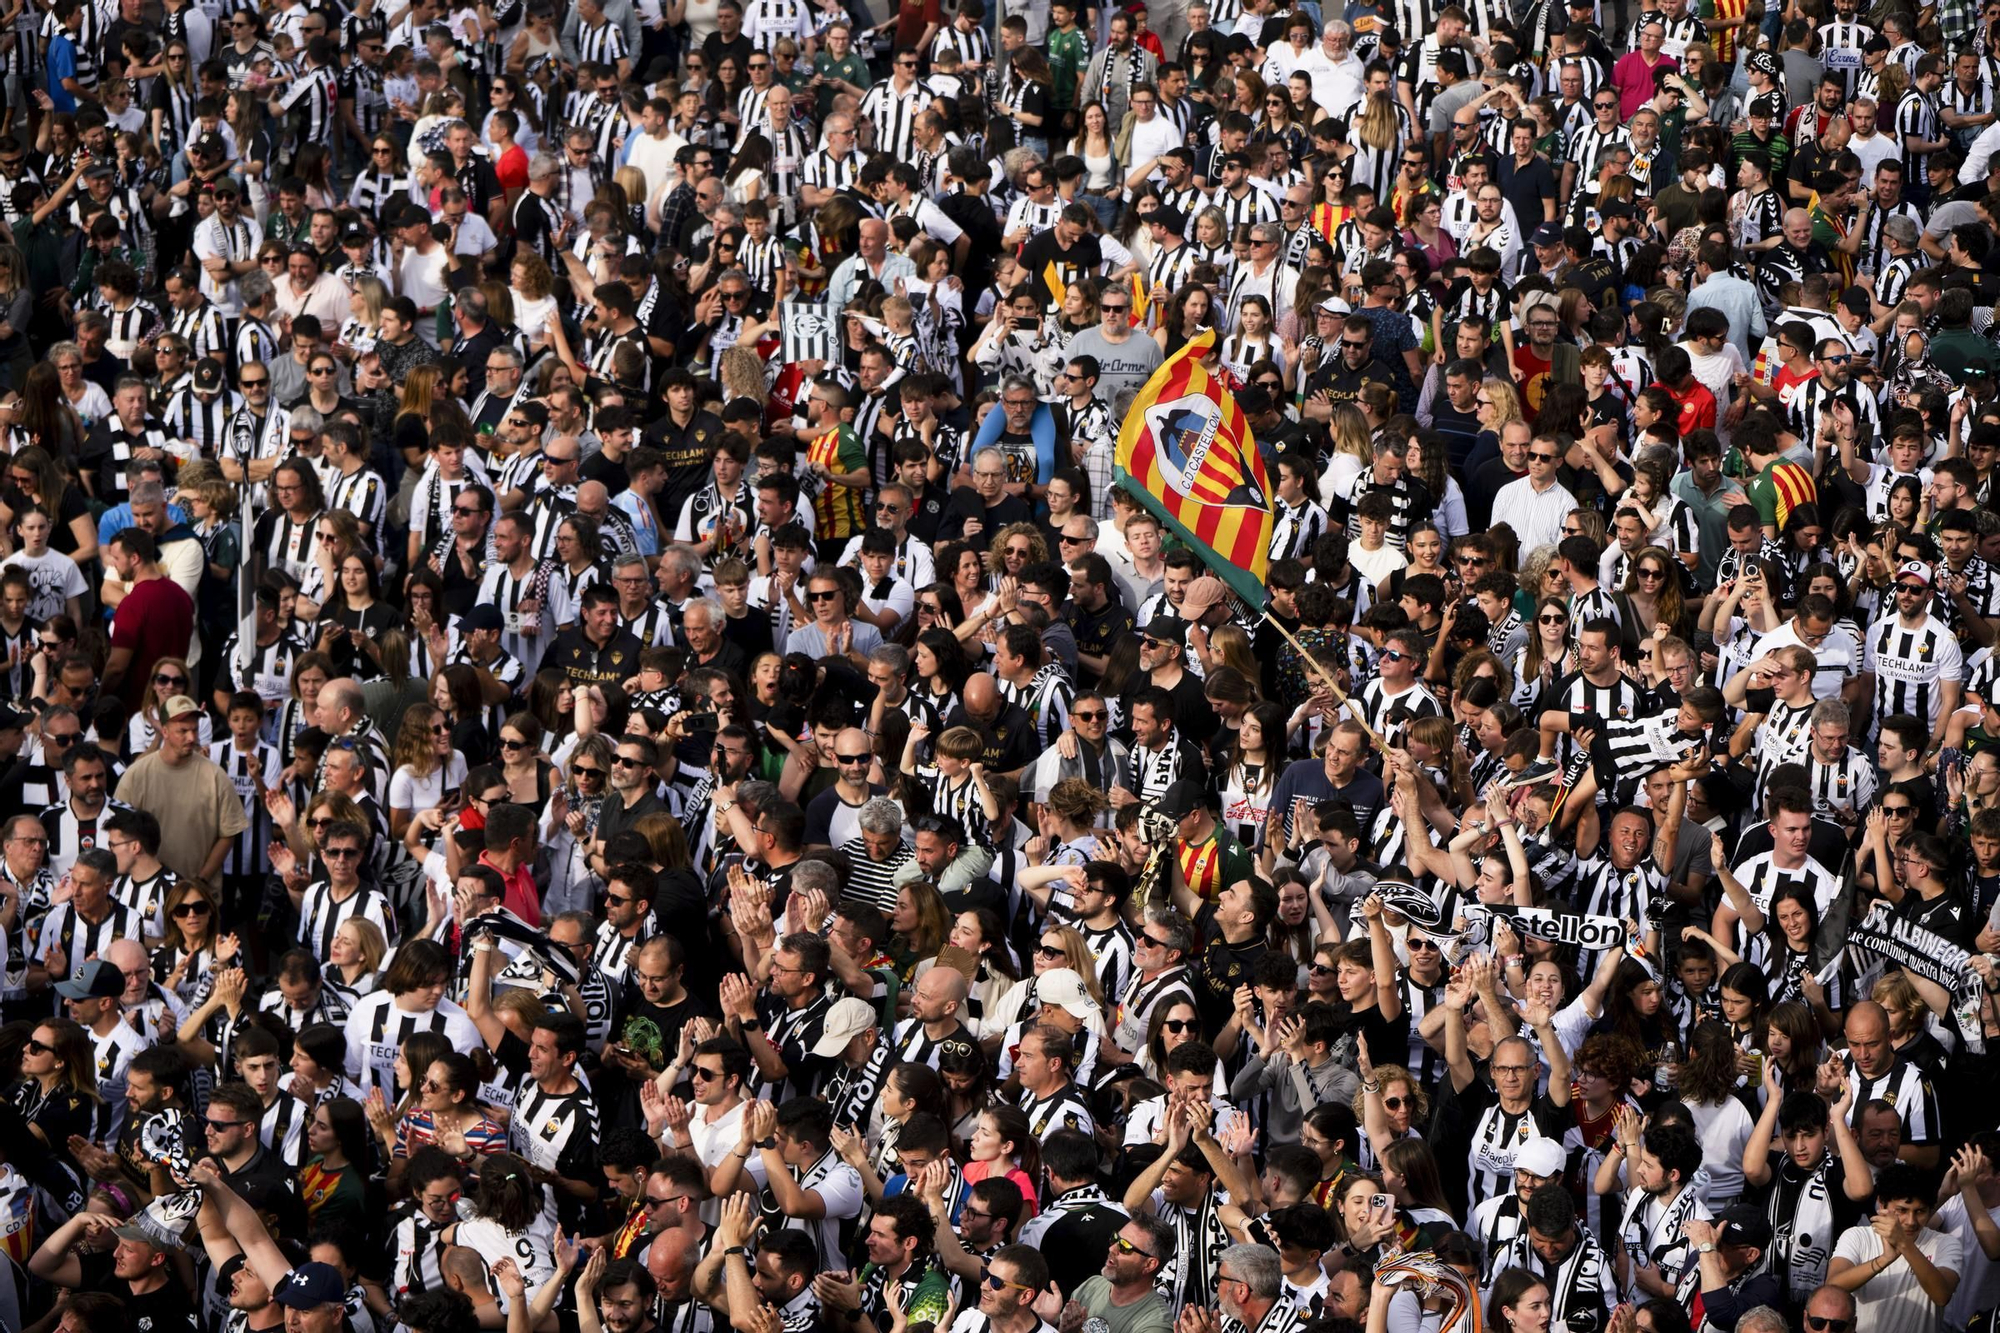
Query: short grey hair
x=507, y=351
x=683, y=560
x=542, y=166
x=809, y=875
x=255, y=286
x=709, y=605
x=1762, y=1319
x=892, y=655
x=1089, y=525
x=147, y=493
x=1257, y=1267
x=1832, y=713
x=1015, y=383
x=306, y=417
x=880, y=815
x=1903, y=232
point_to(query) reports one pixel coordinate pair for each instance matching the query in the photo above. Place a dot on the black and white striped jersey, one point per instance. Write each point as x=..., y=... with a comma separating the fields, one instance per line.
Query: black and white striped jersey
x=1390, y=715
x=1911, y=666
x=377, y=1029
x=363, y=494
x=1783, y=737
x=1045, y=698
x=251, y=772
x=1905, y=1088
x=67, y=934
x=1916, y=118
x=1761, y=878
x=1847, y=784
x=147, y=900
x=1297, y=529
x=321, y=915
x=765, y=21
x=283, y=542
x=1497, y=1135
x=1413, y=501
x=204, y=329
x=281, y=1128
x=71, y=835
x=613, y=953
x=558, y=1132
x=894, y=116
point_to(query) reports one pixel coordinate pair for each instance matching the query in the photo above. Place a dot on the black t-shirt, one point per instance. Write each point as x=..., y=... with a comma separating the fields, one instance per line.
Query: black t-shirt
x=1078, y=261
x=603, y=468
x=167, y=1309
x=966, y=505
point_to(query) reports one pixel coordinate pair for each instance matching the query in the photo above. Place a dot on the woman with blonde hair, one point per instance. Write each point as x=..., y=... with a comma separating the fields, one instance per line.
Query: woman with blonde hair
x=1229, y=646
x=16, y=309
x=1353, y=450
x=920, y=925
x=1068, y=822
x=740, y=371
x=1377, y=140
x=354, y=961
x=1498, y=404
x=363, y=326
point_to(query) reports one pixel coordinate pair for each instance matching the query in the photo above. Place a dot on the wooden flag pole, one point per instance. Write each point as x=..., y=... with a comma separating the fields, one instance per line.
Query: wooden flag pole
x=1340, y=696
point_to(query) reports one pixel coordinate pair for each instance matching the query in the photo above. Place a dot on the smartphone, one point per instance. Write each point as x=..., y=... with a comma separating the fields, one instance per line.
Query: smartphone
x=701, y=721
x=1381, y=1203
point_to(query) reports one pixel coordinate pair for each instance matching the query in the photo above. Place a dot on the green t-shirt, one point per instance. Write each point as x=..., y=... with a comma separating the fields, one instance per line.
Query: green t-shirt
x=1150, y=1315
x=852, y=70
x=1069, y=54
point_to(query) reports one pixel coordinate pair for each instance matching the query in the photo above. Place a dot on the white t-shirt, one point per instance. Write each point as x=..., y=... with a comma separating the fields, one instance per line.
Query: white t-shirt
x=1723, y=1130
x=1892, y=1302
x=1979, y=1277
x=409, y=792
x=52, y=578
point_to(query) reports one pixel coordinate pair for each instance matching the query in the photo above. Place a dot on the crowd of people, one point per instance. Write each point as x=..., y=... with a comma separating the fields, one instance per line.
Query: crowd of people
x=578, y=664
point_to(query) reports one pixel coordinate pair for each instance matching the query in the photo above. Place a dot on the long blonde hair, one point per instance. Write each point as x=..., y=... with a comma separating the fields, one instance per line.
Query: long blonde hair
x=1349, y=431
x=1506, y=403
x=1380, y=128
x=419, y=388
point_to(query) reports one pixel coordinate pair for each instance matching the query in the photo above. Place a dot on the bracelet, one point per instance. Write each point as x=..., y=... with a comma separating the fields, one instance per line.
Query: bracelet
x=1371, y=1087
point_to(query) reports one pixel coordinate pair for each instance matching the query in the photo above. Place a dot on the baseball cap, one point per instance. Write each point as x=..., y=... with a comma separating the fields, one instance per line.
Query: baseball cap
x=12, y=718
x=1169, y=217
x=483, y=616
x=1855, y=300
x=98, y=980
x=1333, y=305
x=845, y=1020
x=211, y=142
x=207, y=374
x=1539, y=1157
x=178, y=706
x=1180, y=800
x=1166, y=627
x=355, y=236
x=99, y=171
x=1063, y=988
x=1547, y=234
x=308, y=1287
x=1202, y=594
x=1743, y=1224
x=1914, y=569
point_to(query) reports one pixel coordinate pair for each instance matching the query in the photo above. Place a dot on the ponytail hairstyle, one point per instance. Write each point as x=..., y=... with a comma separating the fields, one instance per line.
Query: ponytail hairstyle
x=507, y=1194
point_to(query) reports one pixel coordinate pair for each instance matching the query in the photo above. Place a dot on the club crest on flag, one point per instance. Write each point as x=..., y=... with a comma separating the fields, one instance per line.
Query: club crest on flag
x=1186, y=454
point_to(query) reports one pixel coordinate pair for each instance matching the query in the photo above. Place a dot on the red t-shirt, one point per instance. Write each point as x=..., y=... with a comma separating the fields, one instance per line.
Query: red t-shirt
x=1696, y=403
x=155, y=620
x=512, y=168
x=521, y=898
x=1532, y=373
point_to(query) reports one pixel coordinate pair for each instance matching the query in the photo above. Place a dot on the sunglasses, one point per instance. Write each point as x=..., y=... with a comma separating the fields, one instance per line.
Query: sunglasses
x=1089, y=715
x=1545, y=458
x=583, y=772
x=33, y=1047
x=195, y=908
x=170, y=680
x=1127, y=1247
x=1820, y=1325
x=1395, y=1103
x=1178, y=1024
x=341, y=853
x=861, y=758
x=825, y=596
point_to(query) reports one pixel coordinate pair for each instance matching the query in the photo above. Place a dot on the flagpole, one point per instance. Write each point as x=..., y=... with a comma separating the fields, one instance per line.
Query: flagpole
x=1340, y=696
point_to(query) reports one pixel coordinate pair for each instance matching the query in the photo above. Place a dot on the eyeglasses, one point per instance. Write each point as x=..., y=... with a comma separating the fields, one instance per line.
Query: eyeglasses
x=1395, y=655
x=1650, y=574
x=1820, y=1325
x=1899, y=811
x=1360, y=346
x=1837, y=359
x=315, y=372
x=219, y=1125
x=702, y=1073
x=620, y=761
x=1127, y=1247
x=998, y=1283
x=1912, y=589
x=510, y=743
x=861, y=758
x=253, y=384
x=33, y=1047
x=1396, y=1103
x=653, y=1202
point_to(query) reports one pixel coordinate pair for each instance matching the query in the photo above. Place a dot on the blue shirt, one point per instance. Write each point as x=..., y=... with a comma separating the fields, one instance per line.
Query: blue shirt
x=62, y=65
x=119, y=517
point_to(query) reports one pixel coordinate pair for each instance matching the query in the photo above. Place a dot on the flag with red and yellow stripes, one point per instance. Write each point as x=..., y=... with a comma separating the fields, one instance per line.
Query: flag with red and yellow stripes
x=1186, y=454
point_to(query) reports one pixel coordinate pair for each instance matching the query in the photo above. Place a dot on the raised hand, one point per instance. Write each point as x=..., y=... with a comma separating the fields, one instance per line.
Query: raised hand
x=508, y=1275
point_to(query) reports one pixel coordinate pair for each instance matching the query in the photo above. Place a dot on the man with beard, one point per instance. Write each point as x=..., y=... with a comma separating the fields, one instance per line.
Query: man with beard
x=1661, y=1167
x=620, y=1292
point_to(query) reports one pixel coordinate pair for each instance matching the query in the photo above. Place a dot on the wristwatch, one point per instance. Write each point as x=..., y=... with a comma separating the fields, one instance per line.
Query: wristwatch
x=1706, y=1247
x=751, y=1024
x=770, y=1142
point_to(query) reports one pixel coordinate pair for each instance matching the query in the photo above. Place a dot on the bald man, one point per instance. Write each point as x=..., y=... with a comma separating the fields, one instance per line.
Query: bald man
x=465, y=1273
x=615, y=535
x=1008, y=730
x=833, y=816
x=1876, y=1071
x=154, y=1012
x=342, y=713
x=937, y=1008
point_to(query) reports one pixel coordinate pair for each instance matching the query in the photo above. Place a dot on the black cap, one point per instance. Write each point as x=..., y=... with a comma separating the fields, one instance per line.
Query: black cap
x=1743, y=1224
x=97, y=171
x=207, y=374
x=355, y=236
x=13, y=719
x=1616, y=208
x=1169, y=217
x=1166, y=627
x=1856, y=301
x=483, y=615
x=1547, y=234
x=211, y=142
x=1180, y=800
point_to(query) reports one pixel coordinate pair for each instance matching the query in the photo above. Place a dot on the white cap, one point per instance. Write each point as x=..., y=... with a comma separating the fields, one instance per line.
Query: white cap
x=847, y=1019
x=1539, y=1157
x=1063, y=988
